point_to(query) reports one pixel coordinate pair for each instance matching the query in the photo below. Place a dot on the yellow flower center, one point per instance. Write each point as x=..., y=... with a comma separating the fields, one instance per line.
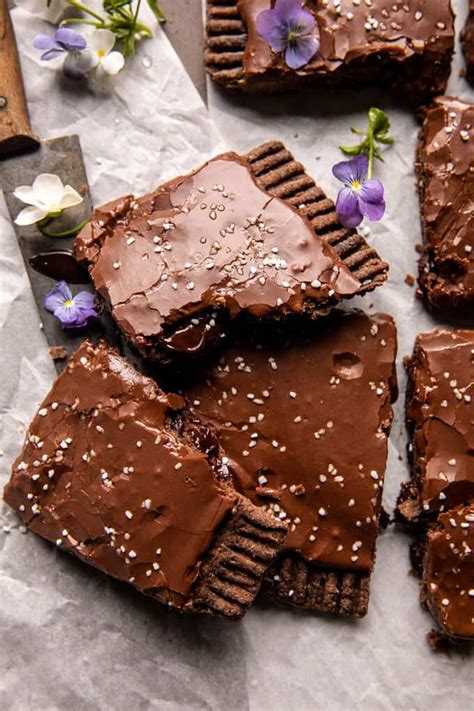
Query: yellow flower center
x=101, y=53
x=68, y=303
x=356, y=184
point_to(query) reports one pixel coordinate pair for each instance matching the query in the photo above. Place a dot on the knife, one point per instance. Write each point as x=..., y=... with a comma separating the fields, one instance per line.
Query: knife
x=22, y=158
x=184, y=28
x=16, y=135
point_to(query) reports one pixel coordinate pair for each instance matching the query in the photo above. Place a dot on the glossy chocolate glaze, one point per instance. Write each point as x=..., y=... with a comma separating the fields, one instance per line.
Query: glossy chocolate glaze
x=60, y=264
x=448, y=574
x=445, y=168
x=353, y=32
x=105, y=475
x=440, y=417
x=303, y=427
x=209, y=240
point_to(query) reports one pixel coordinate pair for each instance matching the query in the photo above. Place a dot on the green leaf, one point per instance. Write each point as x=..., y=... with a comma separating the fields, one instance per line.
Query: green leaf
x=350, y=150
x=115, y=5
x=377, y=133
x=357, y=131
x=155, y=8
x=379, y=122
x=386, y=140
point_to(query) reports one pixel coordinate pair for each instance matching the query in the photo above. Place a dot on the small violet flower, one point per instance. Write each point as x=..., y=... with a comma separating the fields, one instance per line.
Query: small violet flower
x=65, y=41
x=289, y=28
x=361, y=197
x=46, y=198
x=71, y=311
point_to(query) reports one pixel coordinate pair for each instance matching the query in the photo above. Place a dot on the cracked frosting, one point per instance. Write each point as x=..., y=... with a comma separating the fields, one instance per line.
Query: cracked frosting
x=303, y=427
x=351, y=32
x=440, y=416
x=445, y=168
x=210, y=240
x=448, y=572
x=104, y=475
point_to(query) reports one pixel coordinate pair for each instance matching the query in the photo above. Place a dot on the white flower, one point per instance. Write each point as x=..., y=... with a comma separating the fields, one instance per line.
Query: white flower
x=50, y=12
x=100, y=44
x=47, y=197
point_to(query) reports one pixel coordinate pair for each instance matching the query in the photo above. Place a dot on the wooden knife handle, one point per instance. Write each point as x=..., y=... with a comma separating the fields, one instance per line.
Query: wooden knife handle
x=16, y=135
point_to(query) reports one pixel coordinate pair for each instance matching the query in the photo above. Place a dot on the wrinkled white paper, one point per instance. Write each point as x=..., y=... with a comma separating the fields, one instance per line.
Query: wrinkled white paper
x=72, y=639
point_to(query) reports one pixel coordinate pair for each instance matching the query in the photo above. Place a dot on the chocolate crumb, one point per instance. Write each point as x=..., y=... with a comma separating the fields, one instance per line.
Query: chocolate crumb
x=57, y=352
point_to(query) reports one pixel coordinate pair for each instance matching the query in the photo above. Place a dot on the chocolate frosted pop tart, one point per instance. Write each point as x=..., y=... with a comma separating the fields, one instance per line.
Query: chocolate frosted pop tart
x=467, y=38
x=445, y=170
x=407, y=46
x=440, y=421
x=106, y=473
x=249, y=234
x=303, y=423
x=437, y=503
x=448, y=572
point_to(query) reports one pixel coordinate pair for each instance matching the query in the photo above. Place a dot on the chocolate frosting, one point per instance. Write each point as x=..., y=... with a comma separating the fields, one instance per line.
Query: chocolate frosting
x=105, y=476
x=448, y=576
x=440, y=415
x=352, y=31
x=303, y=427
x=210, y=240
x=446, y=179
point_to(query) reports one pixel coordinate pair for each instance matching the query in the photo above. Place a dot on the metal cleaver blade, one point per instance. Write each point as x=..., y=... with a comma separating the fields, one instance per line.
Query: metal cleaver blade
x=61, y=156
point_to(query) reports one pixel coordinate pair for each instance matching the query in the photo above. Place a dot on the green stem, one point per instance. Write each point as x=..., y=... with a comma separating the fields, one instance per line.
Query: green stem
x=66, y=233
x=371, y=156
x=135, y=18
x=81, y=21
x=79, y=6
x=144, y=29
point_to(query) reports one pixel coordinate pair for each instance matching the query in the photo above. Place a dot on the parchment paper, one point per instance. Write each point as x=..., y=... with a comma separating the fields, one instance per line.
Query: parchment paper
x=72, y=639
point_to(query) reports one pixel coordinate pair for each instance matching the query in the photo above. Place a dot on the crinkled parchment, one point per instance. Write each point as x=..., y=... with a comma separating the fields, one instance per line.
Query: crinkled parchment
x=72, y=639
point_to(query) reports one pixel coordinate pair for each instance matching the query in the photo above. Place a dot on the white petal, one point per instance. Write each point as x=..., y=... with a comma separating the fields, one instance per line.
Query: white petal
x=80, y=63
x=112, y=63
x=51, y=13
x=33, y=6
x=26, y=194
x=101, y=41
x=48, y=189
x=30, y=215
x=70, y=198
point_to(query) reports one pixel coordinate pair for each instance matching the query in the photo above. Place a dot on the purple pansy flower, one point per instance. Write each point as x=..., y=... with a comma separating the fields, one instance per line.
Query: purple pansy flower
x=361, y=197
x=289, y=28
x=71, y=311
x=65, y=41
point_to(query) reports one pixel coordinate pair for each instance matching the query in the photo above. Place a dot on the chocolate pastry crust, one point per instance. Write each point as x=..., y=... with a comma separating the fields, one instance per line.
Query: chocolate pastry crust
x=107, y=474
x=440, y=418
x=407, y=46
x=302, y=418
x=447, y=589
x=445, y=171
x=437, y=503
x=250, y=234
